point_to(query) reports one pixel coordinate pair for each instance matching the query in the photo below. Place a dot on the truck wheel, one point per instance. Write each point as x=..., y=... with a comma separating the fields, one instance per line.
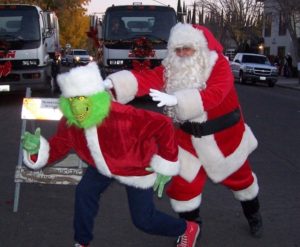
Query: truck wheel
x=241, y=78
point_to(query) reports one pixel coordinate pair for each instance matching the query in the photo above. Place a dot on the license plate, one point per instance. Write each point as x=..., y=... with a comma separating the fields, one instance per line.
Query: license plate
x=4, y=88
x=262, y=78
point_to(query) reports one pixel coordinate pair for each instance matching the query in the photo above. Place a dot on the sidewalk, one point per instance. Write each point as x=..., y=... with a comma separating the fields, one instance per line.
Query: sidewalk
x=292, y=83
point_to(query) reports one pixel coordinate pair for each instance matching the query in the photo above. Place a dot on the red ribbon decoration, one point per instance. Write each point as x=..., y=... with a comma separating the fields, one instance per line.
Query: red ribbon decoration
x=5, y=69
x=141, y=65
x=142, y=47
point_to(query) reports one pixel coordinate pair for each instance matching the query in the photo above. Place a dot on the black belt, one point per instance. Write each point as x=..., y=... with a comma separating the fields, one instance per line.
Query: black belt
x=212, y=126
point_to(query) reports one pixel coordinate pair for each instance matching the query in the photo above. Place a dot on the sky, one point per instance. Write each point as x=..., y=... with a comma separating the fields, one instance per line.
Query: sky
x=99, y=6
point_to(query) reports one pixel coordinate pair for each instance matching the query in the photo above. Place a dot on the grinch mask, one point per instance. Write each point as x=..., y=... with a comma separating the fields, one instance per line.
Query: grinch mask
x=85, y=111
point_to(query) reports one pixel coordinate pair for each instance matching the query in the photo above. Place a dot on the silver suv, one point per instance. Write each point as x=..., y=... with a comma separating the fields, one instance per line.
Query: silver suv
x=254, y=68
x=78, y=57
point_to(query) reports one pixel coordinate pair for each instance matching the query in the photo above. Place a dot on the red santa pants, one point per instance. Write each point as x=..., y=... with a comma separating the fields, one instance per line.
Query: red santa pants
x=181, y=190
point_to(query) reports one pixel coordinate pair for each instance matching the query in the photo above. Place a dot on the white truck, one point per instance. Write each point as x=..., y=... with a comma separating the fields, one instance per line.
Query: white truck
x=29, y=48
x=140, y=39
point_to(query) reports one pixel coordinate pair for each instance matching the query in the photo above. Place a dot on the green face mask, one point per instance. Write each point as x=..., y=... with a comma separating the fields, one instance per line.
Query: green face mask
x=80, y=107
x=85, y=112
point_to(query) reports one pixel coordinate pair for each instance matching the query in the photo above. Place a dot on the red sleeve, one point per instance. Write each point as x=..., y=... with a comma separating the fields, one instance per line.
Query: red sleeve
x=218, y=85
x=60, y=143
x=149, y=79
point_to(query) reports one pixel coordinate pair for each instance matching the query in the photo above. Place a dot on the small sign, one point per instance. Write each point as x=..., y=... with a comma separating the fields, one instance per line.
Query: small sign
x=4, y=88
x=41, y=109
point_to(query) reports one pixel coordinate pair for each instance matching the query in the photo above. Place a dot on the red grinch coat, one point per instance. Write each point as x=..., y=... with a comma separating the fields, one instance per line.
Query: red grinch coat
x=221, y=154
x=126, y=142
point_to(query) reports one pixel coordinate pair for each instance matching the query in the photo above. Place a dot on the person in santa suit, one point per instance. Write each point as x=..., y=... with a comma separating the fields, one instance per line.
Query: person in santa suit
x=195, y=86
x=118, y=142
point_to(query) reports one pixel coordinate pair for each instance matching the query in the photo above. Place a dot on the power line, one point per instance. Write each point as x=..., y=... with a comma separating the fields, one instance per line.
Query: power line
x=160, y=3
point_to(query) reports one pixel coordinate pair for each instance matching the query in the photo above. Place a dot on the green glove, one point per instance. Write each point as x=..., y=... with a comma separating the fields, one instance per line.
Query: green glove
x=160, y=182
x=31, y=142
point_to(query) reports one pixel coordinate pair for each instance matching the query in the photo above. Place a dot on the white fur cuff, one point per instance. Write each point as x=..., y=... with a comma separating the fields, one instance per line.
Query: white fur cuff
x=185, y=206
x=163, y=166
x=125, y=85
x=43, y=156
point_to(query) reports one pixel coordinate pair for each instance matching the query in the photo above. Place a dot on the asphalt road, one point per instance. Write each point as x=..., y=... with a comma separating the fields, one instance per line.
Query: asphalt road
x=44, y=218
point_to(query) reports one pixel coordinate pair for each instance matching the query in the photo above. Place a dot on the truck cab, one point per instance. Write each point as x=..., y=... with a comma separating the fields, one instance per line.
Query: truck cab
x=126, y=33
x=27, y=49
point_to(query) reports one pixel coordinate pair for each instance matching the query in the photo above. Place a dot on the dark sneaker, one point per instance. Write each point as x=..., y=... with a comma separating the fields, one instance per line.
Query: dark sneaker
x=189, y=238
x=256, y=225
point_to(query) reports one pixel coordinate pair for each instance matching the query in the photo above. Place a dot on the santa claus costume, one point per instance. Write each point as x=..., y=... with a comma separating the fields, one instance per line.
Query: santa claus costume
x=213, y=138
x=119, y=147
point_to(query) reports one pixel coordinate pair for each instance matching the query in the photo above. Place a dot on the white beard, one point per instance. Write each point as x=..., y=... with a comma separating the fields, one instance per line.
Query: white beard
x=186, y=72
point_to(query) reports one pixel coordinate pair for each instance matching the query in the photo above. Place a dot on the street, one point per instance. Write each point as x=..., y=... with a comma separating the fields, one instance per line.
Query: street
x=44, y=217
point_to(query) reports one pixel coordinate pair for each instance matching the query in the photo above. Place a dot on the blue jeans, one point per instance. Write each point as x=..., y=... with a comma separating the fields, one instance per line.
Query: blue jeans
x=142, y=209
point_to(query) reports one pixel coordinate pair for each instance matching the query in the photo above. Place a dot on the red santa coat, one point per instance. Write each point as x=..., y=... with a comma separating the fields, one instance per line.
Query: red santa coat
x=221, y=153
x=126, y=142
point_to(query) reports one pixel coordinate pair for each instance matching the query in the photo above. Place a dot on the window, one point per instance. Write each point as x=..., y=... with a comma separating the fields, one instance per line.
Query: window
x=282, y=24
x=268, y=24
x=255, y=59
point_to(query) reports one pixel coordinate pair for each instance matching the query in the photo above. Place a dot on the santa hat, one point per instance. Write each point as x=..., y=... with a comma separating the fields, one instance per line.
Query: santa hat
x=195, y=36
x=81, y=81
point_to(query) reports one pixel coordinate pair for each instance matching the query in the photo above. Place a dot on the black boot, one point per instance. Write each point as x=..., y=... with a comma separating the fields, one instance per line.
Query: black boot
x=193, y=215
x=253, y=216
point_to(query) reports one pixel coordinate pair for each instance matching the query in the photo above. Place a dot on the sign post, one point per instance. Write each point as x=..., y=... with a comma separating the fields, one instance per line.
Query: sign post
x=67, y=172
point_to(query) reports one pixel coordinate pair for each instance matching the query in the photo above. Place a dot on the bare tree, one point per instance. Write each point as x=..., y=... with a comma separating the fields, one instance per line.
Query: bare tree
x=241, y=19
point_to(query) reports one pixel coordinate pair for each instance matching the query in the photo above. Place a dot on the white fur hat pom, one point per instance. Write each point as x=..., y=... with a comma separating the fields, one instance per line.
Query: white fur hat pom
x=81, y=81
x=183, y=34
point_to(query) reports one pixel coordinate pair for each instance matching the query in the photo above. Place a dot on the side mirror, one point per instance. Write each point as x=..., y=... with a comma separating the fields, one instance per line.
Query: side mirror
x=49, y=21
x=237, y=61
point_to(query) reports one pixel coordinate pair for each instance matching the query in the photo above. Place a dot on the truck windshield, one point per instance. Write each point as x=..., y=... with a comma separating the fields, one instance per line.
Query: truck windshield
x=149, y=21
x=20, y=23
x=255, y=59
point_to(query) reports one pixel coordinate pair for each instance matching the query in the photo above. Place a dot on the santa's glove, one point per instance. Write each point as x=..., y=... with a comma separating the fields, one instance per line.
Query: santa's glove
x=160, y=182
x=31, y=142
x=108, y=84
x=163, y=98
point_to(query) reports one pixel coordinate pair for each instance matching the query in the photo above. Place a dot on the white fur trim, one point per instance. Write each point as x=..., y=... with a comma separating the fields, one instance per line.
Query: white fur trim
x=186, y=206
x=189, y=104
x=143, y=182
x=81, y=81
x=163, y=166
x=43, y=156
x=183, y=34
x=248, y=193
x=189, y=165
x=125, y=85
x=216, y=165
x=94, y=147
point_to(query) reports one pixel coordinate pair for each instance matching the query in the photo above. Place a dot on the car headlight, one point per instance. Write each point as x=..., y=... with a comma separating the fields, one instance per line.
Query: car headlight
x=249, y=69
x=91, y=58
x=274, y=70
x=77, y=58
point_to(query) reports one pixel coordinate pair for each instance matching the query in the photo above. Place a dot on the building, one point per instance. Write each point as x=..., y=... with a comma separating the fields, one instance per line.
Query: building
x=277, y=39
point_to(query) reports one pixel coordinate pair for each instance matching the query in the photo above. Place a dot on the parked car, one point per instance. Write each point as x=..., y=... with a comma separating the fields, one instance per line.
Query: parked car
x=78, y=57
x=254, y=68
